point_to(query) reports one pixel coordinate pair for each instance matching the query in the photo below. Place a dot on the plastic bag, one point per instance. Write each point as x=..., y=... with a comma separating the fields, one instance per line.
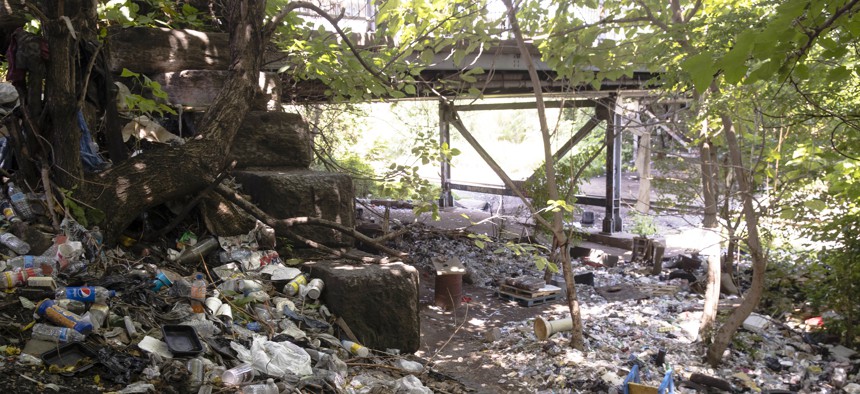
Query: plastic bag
x=275, y=358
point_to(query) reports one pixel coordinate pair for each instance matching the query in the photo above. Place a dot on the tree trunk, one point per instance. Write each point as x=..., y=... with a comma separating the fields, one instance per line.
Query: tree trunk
x=710, y=185
x=752, y=298
x=643, y=166
x=560, y=241
x=158, y=176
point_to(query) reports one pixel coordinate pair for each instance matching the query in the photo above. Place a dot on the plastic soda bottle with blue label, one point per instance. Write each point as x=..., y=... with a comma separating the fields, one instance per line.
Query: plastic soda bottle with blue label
x=95, y=294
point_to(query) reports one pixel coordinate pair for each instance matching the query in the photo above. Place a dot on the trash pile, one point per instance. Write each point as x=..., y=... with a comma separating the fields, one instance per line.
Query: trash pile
x=632, y=319
x=208, y=314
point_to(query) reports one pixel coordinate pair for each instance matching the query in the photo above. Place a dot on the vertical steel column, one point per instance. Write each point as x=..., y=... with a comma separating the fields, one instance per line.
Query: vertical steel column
x=612, y=218
x=446, y=199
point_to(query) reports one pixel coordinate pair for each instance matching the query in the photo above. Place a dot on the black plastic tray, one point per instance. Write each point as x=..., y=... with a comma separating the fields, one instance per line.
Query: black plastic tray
x=182, y=340
x=68, y=355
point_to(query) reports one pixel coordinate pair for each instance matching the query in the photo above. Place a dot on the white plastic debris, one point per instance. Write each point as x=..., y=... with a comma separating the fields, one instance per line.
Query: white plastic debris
x=138, y=387
x=409, y=384
x=152, y=345
x=756, y=323
x=275, y=358
x=410, y=366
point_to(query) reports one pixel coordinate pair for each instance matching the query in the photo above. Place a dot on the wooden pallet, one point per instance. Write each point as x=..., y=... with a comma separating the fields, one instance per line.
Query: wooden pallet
x=543, y=291
x=529, y=298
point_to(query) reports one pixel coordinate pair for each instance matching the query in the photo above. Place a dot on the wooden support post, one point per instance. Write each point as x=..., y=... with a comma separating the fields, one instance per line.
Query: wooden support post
x=446, y=199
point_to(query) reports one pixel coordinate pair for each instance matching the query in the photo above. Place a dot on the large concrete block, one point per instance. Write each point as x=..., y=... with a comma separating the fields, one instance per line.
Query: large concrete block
x=198, y=88
x=379, y=302
x=272, y=139
x=287, y=193
x=157, y=50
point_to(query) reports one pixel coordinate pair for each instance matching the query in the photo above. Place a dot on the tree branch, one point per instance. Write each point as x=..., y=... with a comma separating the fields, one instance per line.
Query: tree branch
x=270, y=27
x=815, y=33
x=692, y=11
x=285, y=225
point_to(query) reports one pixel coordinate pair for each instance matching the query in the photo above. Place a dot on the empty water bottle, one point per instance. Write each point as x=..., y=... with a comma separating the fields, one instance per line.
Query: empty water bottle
x=96, y=294
x=18, y=277
x=47, y=264
x=193, y=254
x=238, y=375
x=20, y=202
x=198, y=293
x=268, y=388
x=14, y=243
x=47, y=332
x=97, y=315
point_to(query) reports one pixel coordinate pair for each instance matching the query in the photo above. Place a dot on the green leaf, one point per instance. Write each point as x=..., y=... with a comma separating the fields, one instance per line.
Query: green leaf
x=409, y=89
x=701, y=70
x=128, y=73
x=838, y=74
x=815, y=205
x=734, y=63
x=480, y=244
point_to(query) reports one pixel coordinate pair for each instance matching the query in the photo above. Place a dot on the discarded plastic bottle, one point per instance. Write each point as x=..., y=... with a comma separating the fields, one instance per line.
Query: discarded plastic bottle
x=18, y=277
x=96, y=294
x=238, y=375
x=129, y=326
x=97, y=315
x=204, y=328
x=16, y=244
x=268, y=388
x=47, y=264
x=20, y=202
x=198, y=293
x=292, y=288
x=355, y=348
x=62, y=317
x=163, y=278
x=8, y=212
x=196, y=252
x=73, y=306
x=47, y=332
x=237, y=255
x=196, y=368
x=315, y=288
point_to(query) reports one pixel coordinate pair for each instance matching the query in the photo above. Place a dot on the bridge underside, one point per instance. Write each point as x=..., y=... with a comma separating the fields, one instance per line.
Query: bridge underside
x=505, y=75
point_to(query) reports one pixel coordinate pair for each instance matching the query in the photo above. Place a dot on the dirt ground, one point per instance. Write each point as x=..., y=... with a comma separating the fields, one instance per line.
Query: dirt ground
x=454, y=340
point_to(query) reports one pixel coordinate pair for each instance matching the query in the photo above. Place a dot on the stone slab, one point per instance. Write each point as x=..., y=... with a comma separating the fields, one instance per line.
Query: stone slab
x=156, y=50
x=198, y=88
x=272, y=139
x=292, y=192
x=379, y=302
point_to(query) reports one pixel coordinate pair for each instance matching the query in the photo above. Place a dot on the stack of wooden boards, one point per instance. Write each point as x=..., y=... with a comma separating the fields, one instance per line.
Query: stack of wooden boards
x=528, y=291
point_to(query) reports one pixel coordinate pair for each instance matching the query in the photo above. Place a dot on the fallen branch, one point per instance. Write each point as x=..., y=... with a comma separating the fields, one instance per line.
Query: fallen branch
x=285, y=225
x=346, y=230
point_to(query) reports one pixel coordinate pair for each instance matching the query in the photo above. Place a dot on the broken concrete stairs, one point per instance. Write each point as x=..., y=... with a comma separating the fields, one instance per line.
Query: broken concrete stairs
x=290, y=192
